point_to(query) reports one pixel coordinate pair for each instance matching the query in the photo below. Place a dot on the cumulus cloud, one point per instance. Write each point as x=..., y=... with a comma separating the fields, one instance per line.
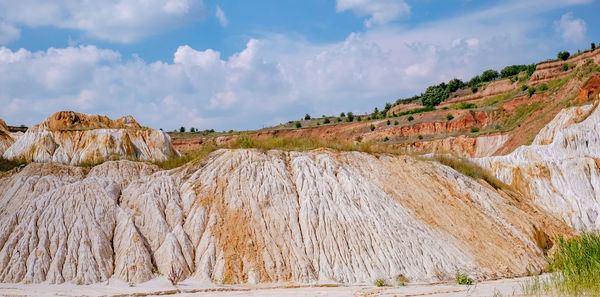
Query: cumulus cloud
x=570, y=28
x=112, y=20
x=274, y=79
x=378, y=11
x=220, y=14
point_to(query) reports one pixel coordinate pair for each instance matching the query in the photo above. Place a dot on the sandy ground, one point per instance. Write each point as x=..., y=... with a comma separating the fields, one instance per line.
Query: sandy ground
x=160, y=286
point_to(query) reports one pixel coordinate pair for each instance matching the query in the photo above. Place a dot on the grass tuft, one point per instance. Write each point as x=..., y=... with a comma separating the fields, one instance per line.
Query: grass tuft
x=469, y=169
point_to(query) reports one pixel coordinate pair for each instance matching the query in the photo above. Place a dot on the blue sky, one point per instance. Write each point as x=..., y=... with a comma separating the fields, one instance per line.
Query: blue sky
x=248, y=64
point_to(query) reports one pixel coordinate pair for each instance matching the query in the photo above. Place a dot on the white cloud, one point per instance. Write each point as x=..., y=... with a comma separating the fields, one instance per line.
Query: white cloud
x=113, y=20
x=8, y=33
x=379, y=11
x=220, y=14
x=273, y=79
x=571, y=29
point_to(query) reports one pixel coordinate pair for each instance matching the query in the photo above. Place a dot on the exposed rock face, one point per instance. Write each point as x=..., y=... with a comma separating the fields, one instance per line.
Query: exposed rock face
x=6, y=139
x=560, y=170
x=252, y=216
x=463, y=146
x=75, y=138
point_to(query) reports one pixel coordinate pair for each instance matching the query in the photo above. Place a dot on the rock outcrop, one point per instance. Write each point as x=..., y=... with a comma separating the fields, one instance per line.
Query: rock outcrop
x=251, y=216
x=74, y=138
x=560, y=169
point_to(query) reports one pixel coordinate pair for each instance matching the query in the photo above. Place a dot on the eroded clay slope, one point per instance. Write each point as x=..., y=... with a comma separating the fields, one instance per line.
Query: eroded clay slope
x=560, y=170
x=74, y=138
x=251, y=216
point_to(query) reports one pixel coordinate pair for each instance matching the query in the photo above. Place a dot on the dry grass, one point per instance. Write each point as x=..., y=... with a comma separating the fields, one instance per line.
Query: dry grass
x=469, y=169
x=8, y=165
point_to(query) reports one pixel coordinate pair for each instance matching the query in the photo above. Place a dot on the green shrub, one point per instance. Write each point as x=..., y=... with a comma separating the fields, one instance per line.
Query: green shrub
x=489, y=75
x=524, y=87
x=449, y=117
x=388, y=122
x=350, y=117
x=434, y=95
x=342, y=115
x=455, y=84
x=463, y=279
x=298, y=125
x=396, y=123
x=531, y=91
x=469, y=169
x=182, y=129
x=420, y=136
x=593, y=47
x=410, y=118
x=386, y=139
x=474, y=129
x=338, y=120
x=307, y=117
x=543, y=88
x=379, y=282
x=474, y=90
x=563, y=55
x=359, y=119
x=326, y=121
x=372, y=127
x=7, y=165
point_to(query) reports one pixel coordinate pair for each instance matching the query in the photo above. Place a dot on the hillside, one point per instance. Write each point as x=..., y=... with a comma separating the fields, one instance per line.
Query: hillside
x=503, y=112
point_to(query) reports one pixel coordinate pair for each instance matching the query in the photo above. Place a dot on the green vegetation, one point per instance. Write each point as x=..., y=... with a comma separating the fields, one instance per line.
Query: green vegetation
x=326, y=121
x=567, y=66
x=469, y=169
x=306, y=117
x=524, y=87
x=386, y=139
x=463, y=279
x=513, y=70
x=563, y=55
x=182, y=129
x=7, y=165
x=372, y=127
x=420, y=136
x=379, y=282
x=474, y=129
x=543, y=88
x=298, y=125
x=350, y=117
x=407, y=100
x=449, y=117
x=434, y=95
x=531, y=91
x=416, y=111
x=410, y=118
x=396, y=123
x=465, y=105
x=575, y=269
x=489, y=75
x=388, y=122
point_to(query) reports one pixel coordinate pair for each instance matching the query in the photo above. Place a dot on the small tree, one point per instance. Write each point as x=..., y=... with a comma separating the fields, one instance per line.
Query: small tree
x=192, y=129
x=359, y=119
x=593, y=45
x=434, y=95
x=396, y=123
x=376, y=111
x=307, y=117
x=350, y=116
x=326, y=121
x=372, y=127
x=563, y=55
x=182, y=129
x=410, y=118
x=388, y=122
x=339, y=120
x=342, y=115
x=489, y=75
x=449, y=117
x=298, y=125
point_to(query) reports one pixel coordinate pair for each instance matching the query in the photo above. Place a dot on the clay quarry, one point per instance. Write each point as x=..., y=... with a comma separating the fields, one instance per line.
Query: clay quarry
x=482, y=187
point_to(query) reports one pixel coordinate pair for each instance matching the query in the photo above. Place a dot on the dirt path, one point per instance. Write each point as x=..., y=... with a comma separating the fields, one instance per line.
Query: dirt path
x=160, y=286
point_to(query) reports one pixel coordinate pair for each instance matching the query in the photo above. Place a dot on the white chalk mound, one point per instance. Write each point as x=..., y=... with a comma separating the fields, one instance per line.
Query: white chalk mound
x=74, y=138
x=246, y=216
x=560, y=169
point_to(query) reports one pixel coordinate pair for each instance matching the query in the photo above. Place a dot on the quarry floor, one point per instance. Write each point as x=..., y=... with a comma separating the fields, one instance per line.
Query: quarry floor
x=160, y=286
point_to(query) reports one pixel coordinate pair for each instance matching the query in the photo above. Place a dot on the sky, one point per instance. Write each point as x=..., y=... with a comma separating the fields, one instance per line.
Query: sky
x=223, y=64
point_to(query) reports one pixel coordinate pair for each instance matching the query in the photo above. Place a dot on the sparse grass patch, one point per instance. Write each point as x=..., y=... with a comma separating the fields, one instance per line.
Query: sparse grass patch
x=469, y=169
x=380, y=282
x=8, y=165
x=463, y=279
x=465, y=105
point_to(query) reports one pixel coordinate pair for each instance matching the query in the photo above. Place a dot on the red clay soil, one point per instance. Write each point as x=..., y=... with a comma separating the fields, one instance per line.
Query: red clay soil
x=590, y=90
